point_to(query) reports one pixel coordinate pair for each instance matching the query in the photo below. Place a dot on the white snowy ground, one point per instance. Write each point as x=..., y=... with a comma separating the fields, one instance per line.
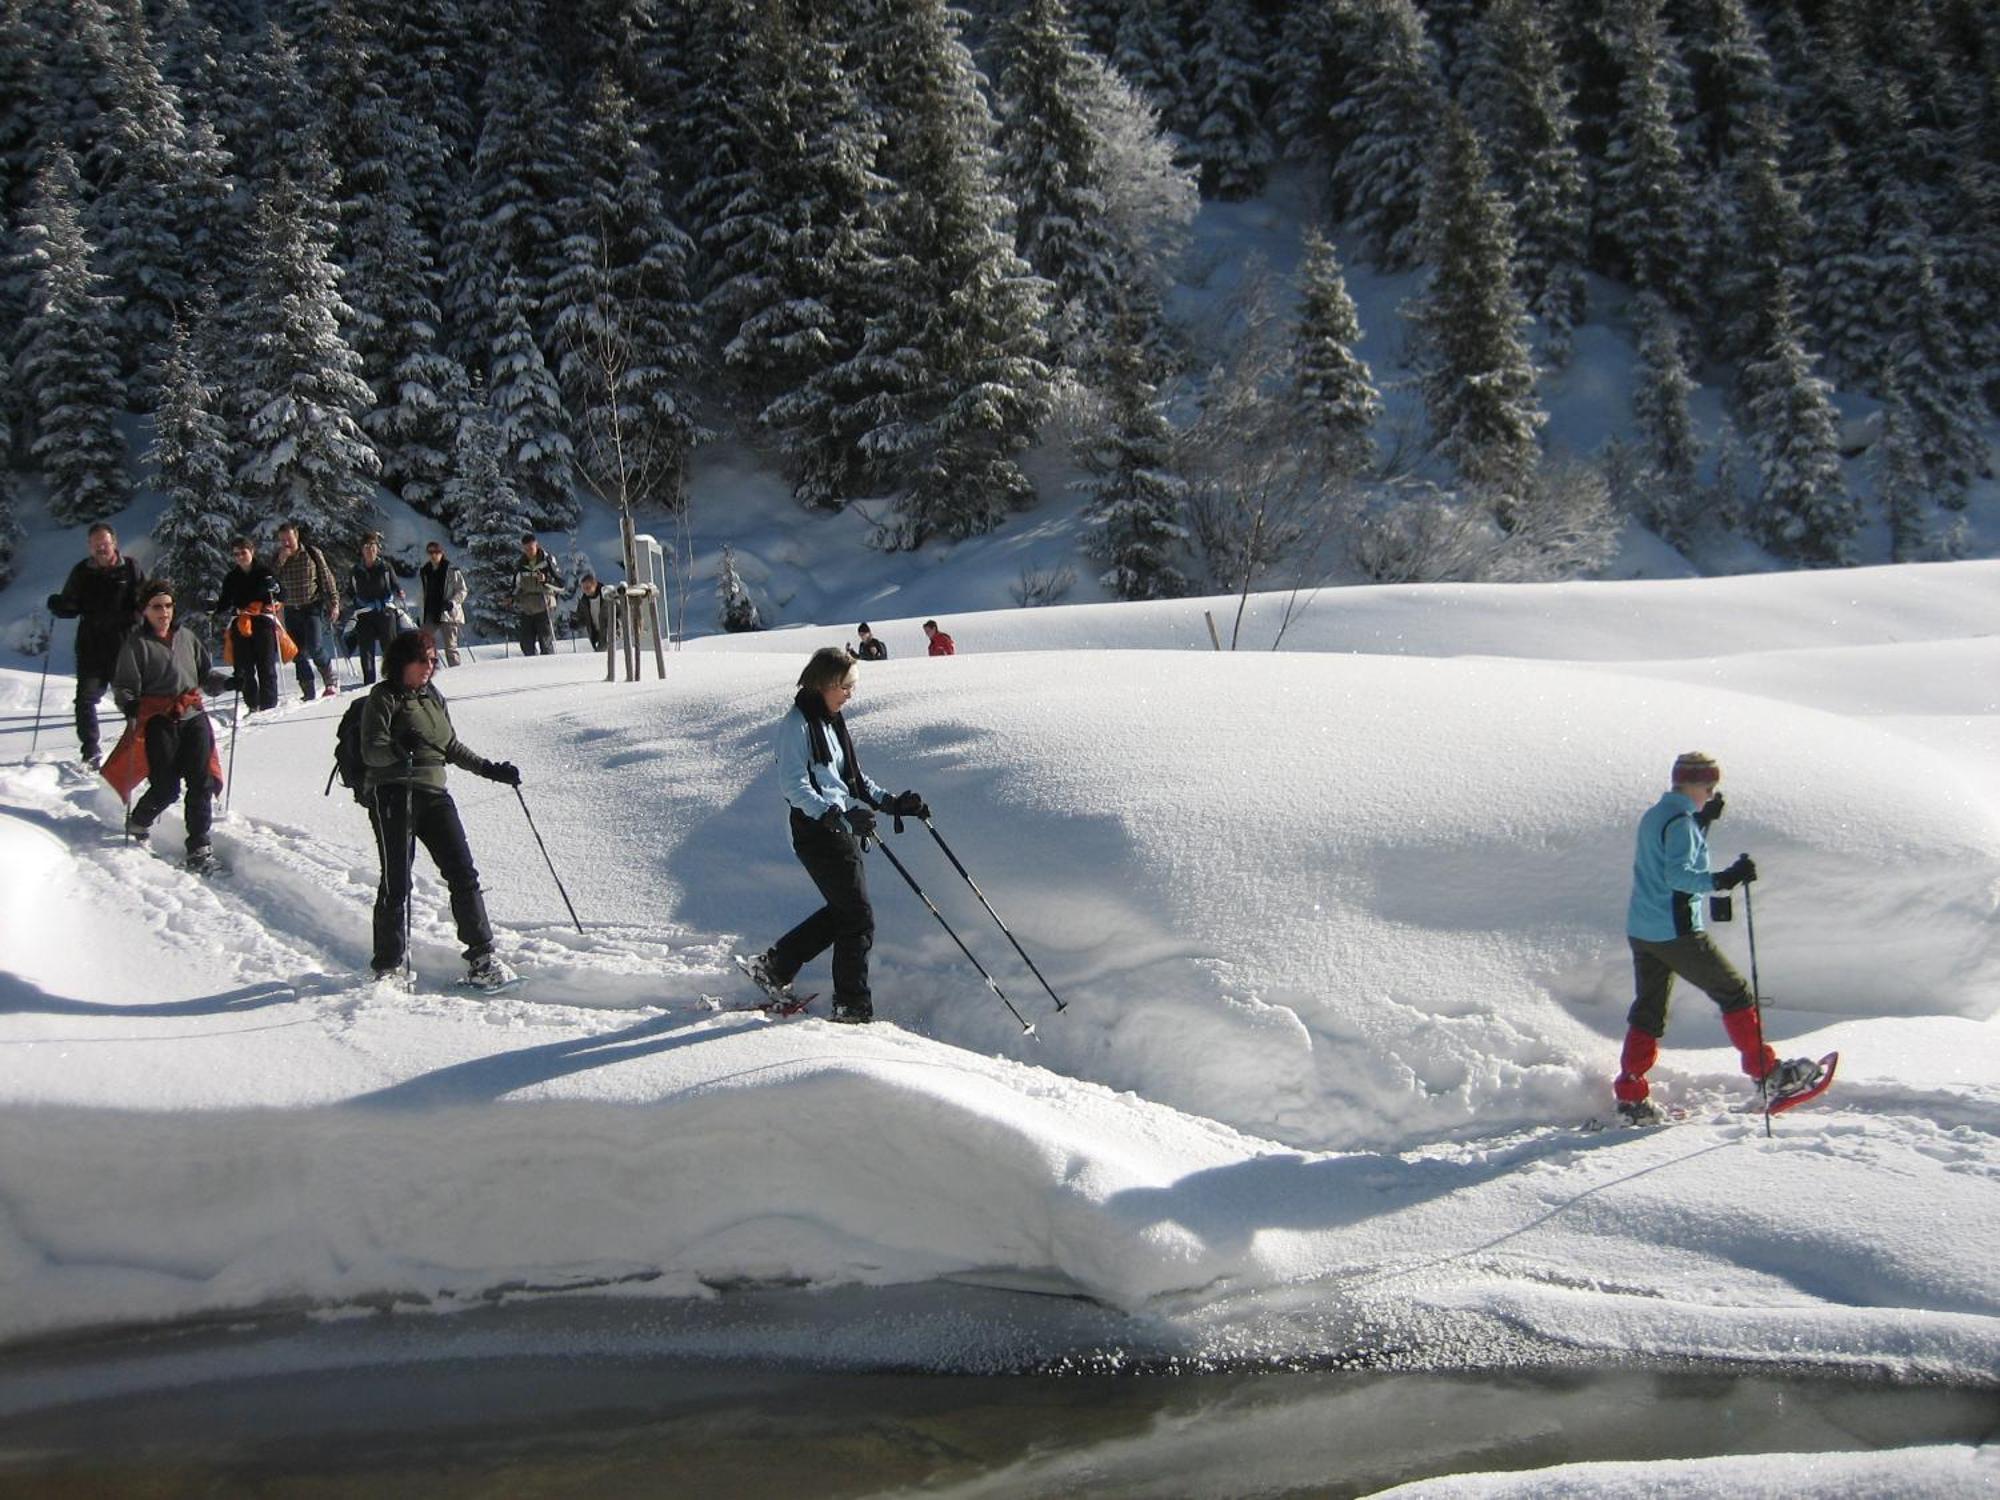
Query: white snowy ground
x=1340, y=929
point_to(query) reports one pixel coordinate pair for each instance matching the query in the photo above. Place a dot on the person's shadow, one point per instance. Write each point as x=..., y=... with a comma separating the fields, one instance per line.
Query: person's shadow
x=481, y=1080
x=20, y=996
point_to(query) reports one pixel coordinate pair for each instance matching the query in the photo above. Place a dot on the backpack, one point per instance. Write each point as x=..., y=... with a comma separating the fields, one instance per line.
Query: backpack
x=348, y=765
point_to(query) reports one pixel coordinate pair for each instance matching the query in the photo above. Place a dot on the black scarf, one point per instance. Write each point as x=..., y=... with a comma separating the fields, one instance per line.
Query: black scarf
x=822, y=729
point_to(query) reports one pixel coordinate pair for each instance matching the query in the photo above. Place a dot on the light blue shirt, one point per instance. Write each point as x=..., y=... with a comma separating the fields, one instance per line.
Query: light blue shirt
x=815, y=789
x=1670, y=872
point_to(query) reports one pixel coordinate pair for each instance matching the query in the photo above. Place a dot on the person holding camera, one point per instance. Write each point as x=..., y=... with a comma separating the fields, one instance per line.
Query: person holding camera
x=406, y=742
x=1664, y=928
x=833, y=803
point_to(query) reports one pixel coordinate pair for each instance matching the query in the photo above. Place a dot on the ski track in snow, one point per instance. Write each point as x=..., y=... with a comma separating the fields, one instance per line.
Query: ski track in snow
x=1340, y=933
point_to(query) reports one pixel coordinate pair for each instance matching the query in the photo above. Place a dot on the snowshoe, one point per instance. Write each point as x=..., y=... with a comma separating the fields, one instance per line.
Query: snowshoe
x=490, y=975
x=139, y=833
x=201, y=861
x=1798, y=1080
x=779, y=999
x=1641, y=1112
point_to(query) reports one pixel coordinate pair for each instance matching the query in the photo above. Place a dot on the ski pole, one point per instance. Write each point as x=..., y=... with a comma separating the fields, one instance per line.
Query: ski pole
x=1757, y=1000
x=235, y=728
x=956, y=865
x=409, y=876
x=1027, y=1027
x=545, y=857
x=35, y=738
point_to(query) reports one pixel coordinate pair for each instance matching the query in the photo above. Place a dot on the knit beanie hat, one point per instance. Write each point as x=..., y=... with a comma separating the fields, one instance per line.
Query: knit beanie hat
x=1694, y=768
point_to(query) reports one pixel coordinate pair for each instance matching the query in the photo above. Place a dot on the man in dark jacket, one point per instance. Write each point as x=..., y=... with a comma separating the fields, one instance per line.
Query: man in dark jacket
x=376, y=592
x=591, y=611
x=250, y=598
x=102, y=595
x=868, y=648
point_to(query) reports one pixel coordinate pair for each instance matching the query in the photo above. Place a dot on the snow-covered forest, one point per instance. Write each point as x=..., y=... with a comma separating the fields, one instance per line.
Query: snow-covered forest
x=292, y=260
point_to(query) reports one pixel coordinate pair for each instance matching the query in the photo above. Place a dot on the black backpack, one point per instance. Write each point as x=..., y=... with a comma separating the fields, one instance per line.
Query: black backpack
x=348, y=765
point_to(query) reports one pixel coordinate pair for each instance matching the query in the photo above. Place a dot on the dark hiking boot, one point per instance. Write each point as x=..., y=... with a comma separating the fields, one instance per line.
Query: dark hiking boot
x=1641, y=1112
x=1792, y=1076
x=489, y=974
x=201, y=860
x=136, y=831
x=853, y=1012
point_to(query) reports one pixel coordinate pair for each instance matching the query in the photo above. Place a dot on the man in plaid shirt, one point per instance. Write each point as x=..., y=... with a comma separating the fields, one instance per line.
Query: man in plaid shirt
x=312, y=606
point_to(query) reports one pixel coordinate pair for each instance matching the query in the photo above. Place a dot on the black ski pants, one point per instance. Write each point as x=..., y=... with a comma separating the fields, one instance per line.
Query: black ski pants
x=538, y=634
x=177, y=752
x=430, y=817
x=255, y=657
x=90, y=692
x=846, y=922
x=372, y=628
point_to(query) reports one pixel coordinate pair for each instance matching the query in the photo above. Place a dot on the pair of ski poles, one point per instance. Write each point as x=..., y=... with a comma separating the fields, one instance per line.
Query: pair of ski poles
x=1027, y=1026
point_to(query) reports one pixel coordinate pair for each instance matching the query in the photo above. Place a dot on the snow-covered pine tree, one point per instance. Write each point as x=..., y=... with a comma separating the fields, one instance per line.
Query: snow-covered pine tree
x=521, y=171
x=1730, y=75
x=708, y=148
x=738, y=610
x=1051, y=165
x=1645, y=210
x=1334, y=387
x=799, y=256
x=1926, y=357
x=1839, y=295
x=135, y=218
x=1668, y=484
x=1520, y=104
x=1901, y=488
x=1151, y=54
x=1386, y=120
x=67, y=363
x=305, y=455
x=1307, y=66
x=1803, y=510
x=10, y=526
x=1136, y=508
x=536, y=453
x=77, y=41
x=959, y=354
x=417, y=386
x=1150, y=200
x=1763, y=232
x=1226, y=88
x=22, y=88
x=487, y=517
x=427, y=57
x=191, y=464
x=278, y=128
x=623, y=316
x=1468, y=322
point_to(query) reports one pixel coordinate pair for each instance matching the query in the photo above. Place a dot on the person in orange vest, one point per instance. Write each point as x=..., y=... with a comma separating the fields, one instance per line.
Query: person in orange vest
x=250, y=596
x=168, y=742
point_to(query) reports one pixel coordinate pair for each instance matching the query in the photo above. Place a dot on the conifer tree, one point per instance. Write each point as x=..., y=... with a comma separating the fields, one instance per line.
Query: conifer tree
x=1333, y=385
x=305, y=455
x=623, y=316
x=1927, y=361
x=78, y=46
x=1803, y=510
x=1520, y=104
x=191, y=462
x=1646, y=207
x=1309, y=60
x=488, y=516
x=958, y=358
x=1052, y=166
x=1135, y=510
x=1901, y=488
x=135, y=218
x=67, y=363
x=278, y=129
x=1839, y=296
x=1226, y=88
x=1386, y=119
x=1151, y=54
x=22, y=85
x=1474, y=370
x=800, y=259
x=1660, y=410
x=1731, y=78
x=738, y=609
x=10, y=527
x=1762, y=235
x=708, y=151
x=526, y=406
x=521, y=172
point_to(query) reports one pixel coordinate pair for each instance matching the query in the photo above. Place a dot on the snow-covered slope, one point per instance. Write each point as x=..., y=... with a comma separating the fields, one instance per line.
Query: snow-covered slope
x=1339, y=929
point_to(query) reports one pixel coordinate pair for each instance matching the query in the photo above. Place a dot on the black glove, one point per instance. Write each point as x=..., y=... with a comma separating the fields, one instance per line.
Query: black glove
x=503, y=771
x=1710, y=811
x=862, y=821
x=907, y=805
x=60, y=609
x=1741, y=873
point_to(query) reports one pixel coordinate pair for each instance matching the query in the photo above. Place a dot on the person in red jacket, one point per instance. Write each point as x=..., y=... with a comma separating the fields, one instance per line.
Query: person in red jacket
x=941, y=644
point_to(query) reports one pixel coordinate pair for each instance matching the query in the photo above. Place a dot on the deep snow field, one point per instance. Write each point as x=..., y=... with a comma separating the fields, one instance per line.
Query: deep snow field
x=1339, y=928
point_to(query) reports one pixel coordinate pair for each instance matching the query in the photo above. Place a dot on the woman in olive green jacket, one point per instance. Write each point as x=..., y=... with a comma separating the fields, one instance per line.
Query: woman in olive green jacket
x=406, y=742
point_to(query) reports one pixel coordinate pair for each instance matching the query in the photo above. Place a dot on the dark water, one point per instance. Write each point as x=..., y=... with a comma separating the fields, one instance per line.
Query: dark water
x=795, y=1395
